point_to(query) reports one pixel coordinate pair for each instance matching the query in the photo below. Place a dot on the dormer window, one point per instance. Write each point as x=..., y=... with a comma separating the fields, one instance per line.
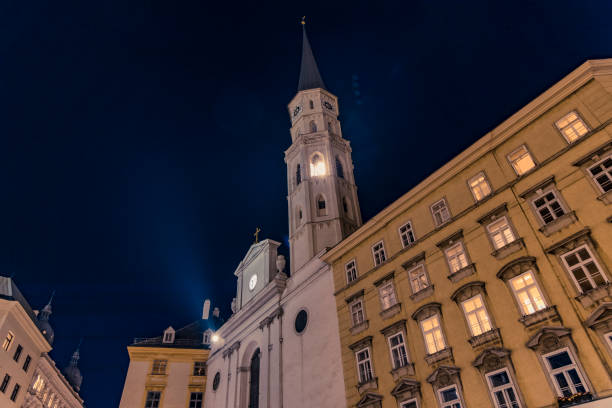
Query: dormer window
x=207, y=336
x=168, y=335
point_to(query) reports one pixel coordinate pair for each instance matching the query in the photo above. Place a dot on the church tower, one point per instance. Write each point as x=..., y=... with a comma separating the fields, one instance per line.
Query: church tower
x=322, y=199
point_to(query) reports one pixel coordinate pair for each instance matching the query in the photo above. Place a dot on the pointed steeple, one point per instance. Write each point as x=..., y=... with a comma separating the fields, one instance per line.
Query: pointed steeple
x=310, y=78
x=72, y=372
x=43, y=321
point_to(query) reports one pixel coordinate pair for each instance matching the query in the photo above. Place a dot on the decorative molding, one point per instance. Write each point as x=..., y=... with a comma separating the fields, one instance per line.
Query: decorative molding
x=516, y=267
x=600, y=151
x=462, y=273
x=508, y=249
x=427, y=310
x=565, y=245
x=450, y=240
x=487, y=337
x=491, y=359
x=548, y=338
x=355, y=296
x=444, y=376
x=358, y=328
x=394, y=328
x=391, y=311
x=538, y=186
x=370, y=400
x=418, y=258
x=493, y=214
x=442, y=355
x=548, y=314
x=468, y=290
x=362, y=343
x=385, y=278
x=422, y=294
x=558, y=223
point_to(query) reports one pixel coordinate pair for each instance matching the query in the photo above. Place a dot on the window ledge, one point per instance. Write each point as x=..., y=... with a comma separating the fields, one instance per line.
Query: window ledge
x=360, y=327
x=606, y=198
x=549, y=313
x=391, y=311
x=462, y=273
x=442, y=355
x=485, y=338
x=509, y=249
x=422, y=294
x=403, y=371
x=368, y=385
x=559, y=223
x=593, y=296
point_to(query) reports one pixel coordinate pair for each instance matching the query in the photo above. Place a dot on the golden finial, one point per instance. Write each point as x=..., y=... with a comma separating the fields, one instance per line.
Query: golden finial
x=257, y=231
x=303, y=20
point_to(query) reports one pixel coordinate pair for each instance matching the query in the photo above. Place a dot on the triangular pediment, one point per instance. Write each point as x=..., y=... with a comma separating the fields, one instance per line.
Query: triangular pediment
x=369, y=400
x=602, y=314
x=405, y=385
x=253, y=253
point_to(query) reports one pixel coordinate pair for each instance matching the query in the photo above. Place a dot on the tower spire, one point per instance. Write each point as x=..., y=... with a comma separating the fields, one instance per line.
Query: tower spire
x=310, y=77
x=43, y=321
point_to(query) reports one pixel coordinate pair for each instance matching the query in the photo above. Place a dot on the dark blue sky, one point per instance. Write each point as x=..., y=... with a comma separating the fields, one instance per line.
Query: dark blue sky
x=142, y=141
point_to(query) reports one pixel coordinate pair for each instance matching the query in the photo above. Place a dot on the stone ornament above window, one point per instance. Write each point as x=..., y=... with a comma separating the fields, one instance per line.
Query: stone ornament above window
x=406, y=389
x=516, y=267
x=428, y=310
x=492, y=359
x=370, y=400
x=468, y=291
x=549, y=339
x=362, y=343
x=444, y=376
x=597, y=166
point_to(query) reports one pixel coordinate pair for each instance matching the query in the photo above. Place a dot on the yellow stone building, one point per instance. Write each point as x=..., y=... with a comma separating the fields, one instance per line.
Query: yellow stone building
x=169, y=371
x=488, y=284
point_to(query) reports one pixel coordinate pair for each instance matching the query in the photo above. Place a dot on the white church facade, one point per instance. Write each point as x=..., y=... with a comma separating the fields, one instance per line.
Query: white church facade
x=281, y=347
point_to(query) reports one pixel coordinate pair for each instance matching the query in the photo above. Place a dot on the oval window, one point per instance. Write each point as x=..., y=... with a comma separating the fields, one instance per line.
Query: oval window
x=216, y=381
x=300, y=321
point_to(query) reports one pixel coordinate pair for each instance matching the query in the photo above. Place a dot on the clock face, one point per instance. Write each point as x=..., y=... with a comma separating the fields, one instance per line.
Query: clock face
x=252, y=282
x=297, y=111
x=328, y=105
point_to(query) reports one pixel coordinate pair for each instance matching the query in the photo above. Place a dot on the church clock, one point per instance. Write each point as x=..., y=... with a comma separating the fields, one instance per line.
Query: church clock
x=252, y=282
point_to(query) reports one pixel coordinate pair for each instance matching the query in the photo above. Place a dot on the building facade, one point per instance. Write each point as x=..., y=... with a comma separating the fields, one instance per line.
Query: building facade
x=28, y=376
x=170, y=370
x=280, y=348
x=488, y=284
x=50, y=388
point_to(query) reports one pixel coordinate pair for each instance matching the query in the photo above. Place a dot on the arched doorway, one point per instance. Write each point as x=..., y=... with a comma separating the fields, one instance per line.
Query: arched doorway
x=254, y=380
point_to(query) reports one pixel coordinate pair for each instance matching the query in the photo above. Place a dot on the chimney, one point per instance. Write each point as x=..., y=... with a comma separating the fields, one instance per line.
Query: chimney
x=206, y=309
x=216, y=312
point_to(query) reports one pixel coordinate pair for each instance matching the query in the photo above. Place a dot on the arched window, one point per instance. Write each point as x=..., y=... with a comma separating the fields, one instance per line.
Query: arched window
x=339, y=168
x=329, y=126
x=311, y=105
x=321, y=206
x=313, y=126
x=298, y=175
x=254, y=380
x=317, y=165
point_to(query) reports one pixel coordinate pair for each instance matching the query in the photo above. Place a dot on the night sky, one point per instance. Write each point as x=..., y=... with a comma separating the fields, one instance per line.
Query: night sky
x=142, y=142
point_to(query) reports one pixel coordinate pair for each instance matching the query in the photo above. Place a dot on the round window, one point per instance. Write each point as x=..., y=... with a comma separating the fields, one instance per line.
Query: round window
x=300, y=321
x=216, y=381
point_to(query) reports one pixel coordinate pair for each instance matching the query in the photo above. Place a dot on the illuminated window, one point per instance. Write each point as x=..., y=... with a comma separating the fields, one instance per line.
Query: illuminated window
x=378, y=251
x=195, y=400
x=351, y=271
x=357, y=315
x=159, y=366
x=339, y=168
x=500, y=233
x=387, y=295
x=449, y=397
x=602, y=174
x=364, y=366
x=317, y=165
x=476, y=315
x=572, y=127
x=152, y=400
x=406, y=234
x=548, y=206
x=432, y=333
x=528, y=293
x=502, y=389
x=38, y=384
x=564, y=372
x=397, y=346
x=479, y=186
x=521, y=160
x=440, y=213
x=199, y=368
x=584, y=268
x=456, y=257
x=8, y=341
x=418, y=278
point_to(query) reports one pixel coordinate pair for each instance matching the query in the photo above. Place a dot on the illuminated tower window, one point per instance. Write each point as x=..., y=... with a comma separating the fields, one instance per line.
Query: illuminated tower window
x=317, y=166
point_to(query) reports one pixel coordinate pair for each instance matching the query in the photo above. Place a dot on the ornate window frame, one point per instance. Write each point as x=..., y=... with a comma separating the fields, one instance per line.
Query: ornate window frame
x=443, y=378
x=445, y=209
x=493, y=360
x=386, y=281
x=450, y=242
x=392, y=330
x=583, y=237
x=518, y=267
x=493, y=216
x=423, y=313
x=590, y=160
x=411, y=264
x=409, y=233
x=355, y=298
x=379, y=256
x=357, y=347
x=352, y=269
x=600, y=321
x=467, y=292
x=541, y=189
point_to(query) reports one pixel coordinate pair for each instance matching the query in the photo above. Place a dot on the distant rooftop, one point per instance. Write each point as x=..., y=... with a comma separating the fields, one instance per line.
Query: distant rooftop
x=190, y=336
x=9, y=291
